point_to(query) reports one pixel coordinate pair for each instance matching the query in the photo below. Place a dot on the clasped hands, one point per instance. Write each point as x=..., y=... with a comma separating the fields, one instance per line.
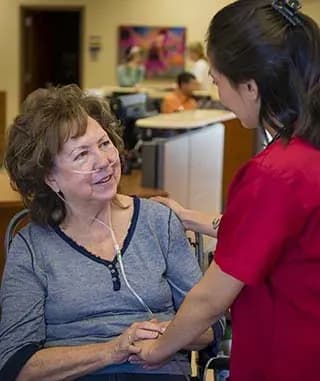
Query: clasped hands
x=138, y=342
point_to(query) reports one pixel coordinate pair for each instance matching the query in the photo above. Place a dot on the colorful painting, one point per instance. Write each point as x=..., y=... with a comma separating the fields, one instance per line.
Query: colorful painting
x=163, y=48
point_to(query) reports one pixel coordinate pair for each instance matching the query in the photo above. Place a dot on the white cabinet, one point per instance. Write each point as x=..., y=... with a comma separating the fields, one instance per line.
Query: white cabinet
x=191, y=167
x=188, y=163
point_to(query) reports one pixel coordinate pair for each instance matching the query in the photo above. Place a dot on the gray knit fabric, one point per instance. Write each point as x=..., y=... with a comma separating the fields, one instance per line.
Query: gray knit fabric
x=60, y=294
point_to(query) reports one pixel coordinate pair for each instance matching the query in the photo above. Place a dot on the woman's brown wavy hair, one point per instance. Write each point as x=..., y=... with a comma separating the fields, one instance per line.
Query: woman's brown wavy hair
x=49, y=117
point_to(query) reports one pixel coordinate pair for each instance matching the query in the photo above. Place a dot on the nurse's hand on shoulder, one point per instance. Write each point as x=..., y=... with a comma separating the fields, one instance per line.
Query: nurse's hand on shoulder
x=178, y=209
x=124, y=345
x=191, y=219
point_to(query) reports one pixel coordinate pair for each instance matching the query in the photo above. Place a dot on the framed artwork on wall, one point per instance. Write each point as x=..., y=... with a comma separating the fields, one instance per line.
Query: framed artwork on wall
x=163, y=48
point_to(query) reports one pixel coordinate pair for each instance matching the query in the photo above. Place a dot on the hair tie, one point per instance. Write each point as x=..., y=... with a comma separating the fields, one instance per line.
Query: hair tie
x=288, y=9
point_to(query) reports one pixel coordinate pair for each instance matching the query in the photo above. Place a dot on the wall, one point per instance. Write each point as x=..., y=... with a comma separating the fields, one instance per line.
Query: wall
x=102, y=18
x=312, y=8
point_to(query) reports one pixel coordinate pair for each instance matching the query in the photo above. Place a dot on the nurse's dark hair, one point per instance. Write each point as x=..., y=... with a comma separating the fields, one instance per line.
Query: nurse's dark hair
x=250, y=39
x=48, y=118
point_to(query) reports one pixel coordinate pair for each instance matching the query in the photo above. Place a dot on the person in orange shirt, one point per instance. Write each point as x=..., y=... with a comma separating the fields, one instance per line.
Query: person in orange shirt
x=181, y=98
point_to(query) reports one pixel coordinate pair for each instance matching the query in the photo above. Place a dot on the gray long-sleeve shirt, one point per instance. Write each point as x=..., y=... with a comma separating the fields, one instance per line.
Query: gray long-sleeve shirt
x=56, y=293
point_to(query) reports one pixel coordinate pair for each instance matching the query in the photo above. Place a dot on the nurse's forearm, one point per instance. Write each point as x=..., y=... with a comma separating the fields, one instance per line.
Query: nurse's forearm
x=201, y=308
x=200, y=222
x=193, y=318
x=201, y=341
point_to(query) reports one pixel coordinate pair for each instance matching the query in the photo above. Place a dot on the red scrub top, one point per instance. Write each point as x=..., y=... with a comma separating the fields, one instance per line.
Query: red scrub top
x=269, y=238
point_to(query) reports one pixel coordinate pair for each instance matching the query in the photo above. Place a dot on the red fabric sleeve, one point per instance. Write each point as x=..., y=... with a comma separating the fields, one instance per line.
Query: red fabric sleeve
x=262, y=214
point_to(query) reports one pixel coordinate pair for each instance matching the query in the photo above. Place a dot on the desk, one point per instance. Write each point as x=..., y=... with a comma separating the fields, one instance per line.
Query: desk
x=185, y=120
x=198, y=160
x=188, y=161
x=105, y=91
x=153, y=91
x=10, y=201
x=240, y=143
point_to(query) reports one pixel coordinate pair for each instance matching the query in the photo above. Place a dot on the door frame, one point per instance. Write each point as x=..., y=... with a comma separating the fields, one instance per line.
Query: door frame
x=23, y=10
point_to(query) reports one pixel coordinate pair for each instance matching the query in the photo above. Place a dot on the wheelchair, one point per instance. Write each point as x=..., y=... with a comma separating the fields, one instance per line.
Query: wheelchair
x=216, y=358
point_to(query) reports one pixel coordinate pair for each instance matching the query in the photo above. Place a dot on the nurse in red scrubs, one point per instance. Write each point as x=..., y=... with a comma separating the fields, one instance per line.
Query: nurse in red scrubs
x=265, y=60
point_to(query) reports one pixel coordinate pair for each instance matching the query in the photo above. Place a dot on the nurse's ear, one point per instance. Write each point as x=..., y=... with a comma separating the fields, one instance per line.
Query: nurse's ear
x=251, y=89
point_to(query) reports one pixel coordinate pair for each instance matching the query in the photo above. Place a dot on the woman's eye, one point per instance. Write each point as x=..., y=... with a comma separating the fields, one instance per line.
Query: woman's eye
x=105, y=144
x=81, y=155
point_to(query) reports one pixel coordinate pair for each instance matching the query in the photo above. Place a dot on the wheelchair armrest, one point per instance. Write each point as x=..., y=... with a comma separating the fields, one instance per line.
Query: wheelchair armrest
x=219, y=362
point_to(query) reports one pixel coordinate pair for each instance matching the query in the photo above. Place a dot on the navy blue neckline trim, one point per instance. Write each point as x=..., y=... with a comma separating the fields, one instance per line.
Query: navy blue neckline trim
x=126, y=242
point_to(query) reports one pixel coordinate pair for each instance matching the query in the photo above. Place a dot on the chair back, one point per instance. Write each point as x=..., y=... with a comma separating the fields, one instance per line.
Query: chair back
x=196, y=241
x=13, y=227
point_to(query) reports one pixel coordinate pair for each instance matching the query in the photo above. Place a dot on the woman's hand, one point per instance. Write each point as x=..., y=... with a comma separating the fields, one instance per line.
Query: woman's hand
x=137, y=359
x=125, y=343
x=164, y=325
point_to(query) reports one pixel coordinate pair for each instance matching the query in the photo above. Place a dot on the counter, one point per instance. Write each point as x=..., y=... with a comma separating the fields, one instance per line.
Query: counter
x=185, y=120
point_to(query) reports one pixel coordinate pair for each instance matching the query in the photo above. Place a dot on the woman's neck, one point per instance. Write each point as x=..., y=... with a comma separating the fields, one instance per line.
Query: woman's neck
x=92, y=219
x=83, y=218
x=96, y=233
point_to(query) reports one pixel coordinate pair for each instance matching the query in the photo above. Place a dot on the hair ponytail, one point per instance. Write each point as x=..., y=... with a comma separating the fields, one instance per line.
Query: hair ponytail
x=310, y=125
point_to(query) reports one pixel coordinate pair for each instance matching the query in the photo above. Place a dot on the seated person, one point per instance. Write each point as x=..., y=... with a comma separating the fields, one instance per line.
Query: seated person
x=94, y=271
x=132, y=72
x=181, y=98
x=200, y=67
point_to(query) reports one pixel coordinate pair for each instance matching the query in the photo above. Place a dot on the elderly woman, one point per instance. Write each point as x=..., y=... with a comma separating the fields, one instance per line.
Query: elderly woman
x=94, y=271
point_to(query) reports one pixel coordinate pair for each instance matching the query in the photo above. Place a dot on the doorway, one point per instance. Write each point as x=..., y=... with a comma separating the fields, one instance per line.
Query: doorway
x=51, y=47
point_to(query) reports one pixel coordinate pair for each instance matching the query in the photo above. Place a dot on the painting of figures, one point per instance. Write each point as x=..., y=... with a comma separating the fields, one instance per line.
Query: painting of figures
x=163, y=49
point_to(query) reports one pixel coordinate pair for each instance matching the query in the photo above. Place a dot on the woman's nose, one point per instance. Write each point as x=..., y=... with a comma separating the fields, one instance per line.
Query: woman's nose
x=104, y=158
